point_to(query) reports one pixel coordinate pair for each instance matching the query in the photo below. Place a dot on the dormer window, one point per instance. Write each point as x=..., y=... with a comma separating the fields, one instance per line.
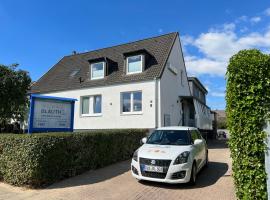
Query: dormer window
x=97, y=70
x=134, y=64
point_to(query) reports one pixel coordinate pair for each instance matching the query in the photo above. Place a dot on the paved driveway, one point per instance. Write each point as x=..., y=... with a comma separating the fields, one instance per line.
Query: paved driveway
x=115, y=182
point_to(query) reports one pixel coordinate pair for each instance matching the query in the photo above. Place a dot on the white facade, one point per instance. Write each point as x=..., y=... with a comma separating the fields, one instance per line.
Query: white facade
x=111, y=116
x=173, y=83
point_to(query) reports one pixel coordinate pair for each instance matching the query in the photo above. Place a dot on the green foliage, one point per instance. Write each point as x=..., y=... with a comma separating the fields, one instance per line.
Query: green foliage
x=222, y=124
x=14, y=85
x=248, y=104
x=41, y=159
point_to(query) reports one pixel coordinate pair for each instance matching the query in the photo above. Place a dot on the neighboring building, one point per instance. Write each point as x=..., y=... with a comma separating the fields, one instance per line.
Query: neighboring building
x=140, y=84
x=196, y=112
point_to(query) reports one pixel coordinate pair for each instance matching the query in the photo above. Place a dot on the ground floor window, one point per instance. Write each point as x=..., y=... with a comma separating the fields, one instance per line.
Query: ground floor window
x=131, y=102
x=91, y=105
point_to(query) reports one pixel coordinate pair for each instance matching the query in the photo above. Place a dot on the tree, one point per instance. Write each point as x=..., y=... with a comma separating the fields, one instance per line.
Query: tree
x=14, y=85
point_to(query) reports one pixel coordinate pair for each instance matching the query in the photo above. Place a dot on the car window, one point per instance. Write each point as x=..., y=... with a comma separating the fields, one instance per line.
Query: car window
x=199, y=135
x=194, y=135
x=169, y=137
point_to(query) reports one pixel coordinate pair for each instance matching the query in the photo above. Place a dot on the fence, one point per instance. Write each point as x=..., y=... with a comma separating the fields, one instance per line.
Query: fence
x=267, y=158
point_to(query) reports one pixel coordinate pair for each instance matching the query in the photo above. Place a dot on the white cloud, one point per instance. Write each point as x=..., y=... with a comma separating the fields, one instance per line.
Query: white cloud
x=187, y=40
x=243, y=18
x=196, y=65
x=267, y=12
x=229, y=26
x=255, y=19
x=218, y=45
x=217, y=94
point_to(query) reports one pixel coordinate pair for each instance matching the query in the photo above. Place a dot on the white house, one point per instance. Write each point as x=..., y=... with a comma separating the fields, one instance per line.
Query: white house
x=141, y=84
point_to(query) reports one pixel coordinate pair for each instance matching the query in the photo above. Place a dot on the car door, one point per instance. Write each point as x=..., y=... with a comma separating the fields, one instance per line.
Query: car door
x=203, y=147
x=197, y=147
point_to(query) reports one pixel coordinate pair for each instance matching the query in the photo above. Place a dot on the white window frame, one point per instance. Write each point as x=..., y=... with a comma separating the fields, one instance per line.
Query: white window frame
x=141, y=67
x=91, y=106
x=91, y=68
x=131, y=103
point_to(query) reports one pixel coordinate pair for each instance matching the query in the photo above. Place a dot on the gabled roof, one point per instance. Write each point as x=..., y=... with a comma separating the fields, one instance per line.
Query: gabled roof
x=58, y=78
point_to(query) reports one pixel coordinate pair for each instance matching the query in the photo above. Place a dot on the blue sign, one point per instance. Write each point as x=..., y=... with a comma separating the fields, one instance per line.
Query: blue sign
x=50, y=114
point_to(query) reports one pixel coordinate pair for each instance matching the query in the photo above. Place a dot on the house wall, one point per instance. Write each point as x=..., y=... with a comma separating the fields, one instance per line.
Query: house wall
x=111, y=111
x=171, y=87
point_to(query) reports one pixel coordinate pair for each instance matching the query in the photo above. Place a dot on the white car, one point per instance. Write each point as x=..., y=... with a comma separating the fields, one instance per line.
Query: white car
x=170, y=155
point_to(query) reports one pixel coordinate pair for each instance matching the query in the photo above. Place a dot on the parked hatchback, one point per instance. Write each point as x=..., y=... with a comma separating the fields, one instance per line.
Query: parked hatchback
x=171, y=155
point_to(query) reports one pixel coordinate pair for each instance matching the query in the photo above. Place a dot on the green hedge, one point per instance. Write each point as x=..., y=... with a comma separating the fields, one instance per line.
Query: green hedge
x=41, y=159
x=248, y=104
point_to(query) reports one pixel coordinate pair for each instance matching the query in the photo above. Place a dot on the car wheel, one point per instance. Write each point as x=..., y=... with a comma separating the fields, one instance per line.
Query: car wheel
x=193, y=175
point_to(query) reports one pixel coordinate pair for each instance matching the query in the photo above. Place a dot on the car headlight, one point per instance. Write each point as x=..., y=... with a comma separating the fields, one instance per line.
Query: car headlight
x=182, y=158
x=135, y=156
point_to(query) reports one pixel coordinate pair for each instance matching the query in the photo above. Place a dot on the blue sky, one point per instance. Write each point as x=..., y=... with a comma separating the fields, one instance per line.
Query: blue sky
x=36, y=34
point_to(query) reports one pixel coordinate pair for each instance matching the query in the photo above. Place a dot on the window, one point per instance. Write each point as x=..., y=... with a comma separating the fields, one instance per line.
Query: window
x=97, y=70
x=134, y=64
x=85, y=105
x=194, y=135
x=74, y=73
x=131, y=102
x=199, y=135
x=169, y=137
x=182, y=76
x=91, y=105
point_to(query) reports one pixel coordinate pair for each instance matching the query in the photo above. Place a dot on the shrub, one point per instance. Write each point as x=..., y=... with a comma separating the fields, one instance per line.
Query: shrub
x=41, y=159
x=248, y=103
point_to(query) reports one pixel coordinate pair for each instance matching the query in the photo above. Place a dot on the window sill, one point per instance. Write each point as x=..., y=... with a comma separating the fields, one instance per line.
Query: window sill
x=131, y=73
x=92, y=115
x=131, y=113
x=97, y=78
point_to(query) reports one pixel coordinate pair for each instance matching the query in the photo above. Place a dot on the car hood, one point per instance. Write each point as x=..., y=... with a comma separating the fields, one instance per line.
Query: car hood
x=162, y=151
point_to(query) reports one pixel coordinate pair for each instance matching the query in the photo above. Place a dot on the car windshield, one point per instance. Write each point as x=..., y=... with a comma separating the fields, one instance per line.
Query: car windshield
x=169, y=137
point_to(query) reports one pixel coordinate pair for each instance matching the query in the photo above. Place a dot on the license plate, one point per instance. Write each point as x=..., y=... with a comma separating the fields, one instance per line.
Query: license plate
x=150, y=168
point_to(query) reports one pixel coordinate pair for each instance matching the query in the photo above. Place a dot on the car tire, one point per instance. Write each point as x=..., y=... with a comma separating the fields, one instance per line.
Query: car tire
x=193, y=175
x=207, y=160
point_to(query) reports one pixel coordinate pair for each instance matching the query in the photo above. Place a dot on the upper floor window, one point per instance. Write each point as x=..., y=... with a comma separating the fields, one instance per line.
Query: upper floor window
x=134, y=64
x=97, y=70
x=91, y=105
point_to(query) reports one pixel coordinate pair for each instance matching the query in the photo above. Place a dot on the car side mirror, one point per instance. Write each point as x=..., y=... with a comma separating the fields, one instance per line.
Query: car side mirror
x=197, y=141
x=143, y=140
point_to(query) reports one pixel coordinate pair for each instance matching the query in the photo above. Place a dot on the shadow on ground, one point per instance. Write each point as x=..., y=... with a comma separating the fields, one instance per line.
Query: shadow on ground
x=208, y=176
x=217, y=144
x=94, y=176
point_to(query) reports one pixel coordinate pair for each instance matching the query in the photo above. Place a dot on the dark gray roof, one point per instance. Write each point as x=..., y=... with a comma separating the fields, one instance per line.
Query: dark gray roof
x=59, y=77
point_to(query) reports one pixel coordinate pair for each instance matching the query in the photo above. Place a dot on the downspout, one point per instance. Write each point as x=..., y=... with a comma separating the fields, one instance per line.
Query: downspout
x=157, y=102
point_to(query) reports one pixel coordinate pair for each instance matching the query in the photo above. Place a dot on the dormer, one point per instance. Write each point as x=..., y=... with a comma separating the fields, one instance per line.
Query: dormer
x=99, y=68
x=136, y=61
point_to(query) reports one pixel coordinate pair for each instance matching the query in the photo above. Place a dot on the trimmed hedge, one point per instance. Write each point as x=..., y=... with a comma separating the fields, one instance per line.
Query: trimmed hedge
x=248, y=104
x=41, y=159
